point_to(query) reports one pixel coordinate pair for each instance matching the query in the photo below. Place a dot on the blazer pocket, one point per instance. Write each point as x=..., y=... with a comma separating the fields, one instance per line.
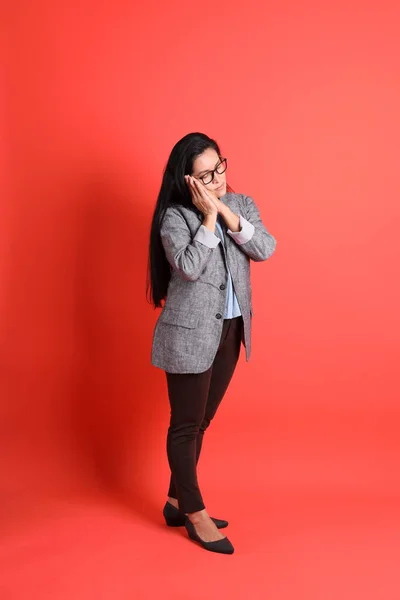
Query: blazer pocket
x=171, y=316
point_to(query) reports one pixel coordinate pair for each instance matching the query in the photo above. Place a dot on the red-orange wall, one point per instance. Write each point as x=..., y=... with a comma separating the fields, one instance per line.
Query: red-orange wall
x=304, y=98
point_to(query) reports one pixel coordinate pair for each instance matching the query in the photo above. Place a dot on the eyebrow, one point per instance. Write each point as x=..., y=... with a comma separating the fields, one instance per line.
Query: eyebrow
x=209, y=170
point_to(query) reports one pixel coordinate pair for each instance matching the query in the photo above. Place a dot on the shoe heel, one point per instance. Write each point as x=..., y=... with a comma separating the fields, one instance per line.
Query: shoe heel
x=172, y=516
x=174, y=522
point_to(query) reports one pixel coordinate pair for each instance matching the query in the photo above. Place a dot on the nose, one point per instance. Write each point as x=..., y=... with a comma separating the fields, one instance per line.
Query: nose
x=216, y=179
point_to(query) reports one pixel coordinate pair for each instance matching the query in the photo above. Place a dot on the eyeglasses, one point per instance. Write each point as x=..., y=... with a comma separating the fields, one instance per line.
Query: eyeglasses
x=221, y=167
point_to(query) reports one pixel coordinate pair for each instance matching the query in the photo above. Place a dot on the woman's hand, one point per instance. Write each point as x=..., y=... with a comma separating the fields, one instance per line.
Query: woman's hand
x=203, y=199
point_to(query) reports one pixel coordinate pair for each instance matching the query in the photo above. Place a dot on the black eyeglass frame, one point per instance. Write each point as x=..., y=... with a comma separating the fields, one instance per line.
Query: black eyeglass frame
x=213, y=171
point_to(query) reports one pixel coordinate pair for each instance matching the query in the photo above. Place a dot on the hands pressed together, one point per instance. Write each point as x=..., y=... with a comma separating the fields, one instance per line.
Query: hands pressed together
x=210, y=205
x=205, y=200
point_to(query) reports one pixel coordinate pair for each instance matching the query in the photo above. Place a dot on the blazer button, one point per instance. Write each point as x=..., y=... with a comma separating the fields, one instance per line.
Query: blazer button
x=218, y=316
x=222, y=287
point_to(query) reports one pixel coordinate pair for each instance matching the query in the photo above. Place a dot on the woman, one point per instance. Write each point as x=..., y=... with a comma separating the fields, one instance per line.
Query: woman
x=202, y=240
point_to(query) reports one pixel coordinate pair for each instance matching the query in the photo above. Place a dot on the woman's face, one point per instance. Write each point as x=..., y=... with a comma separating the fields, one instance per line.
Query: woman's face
x=202, y=166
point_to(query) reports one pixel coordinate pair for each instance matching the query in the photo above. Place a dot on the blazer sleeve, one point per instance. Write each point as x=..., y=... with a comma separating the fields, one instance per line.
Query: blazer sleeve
x=186, y=255
x=253, y=238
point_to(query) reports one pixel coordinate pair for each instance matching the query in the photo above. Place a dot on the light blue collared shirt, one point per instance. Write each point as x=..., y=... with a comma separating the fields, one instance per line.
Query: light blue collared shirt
x=209, y=239
x=232, y=308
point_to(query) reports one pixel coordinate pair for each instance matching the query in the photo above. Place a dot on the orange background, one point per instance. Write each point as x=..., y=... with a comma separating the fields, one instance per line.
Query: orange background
x=303, y=457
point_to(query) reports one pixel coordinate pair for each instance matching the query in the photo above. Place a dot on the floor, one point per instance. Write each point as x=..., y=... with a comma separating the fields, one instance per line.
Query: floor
x=308, y=522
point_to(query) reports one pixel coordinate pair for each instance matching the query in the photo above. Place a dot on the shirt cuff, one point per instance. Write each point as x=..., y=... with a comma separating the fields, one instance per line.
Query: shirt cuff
x=246, y=231
x=206, y=237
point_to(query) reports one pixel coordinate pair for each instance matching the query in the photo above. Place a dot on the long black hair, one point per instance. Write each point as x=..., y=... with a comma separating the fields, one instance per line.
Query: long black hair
x=174, y=191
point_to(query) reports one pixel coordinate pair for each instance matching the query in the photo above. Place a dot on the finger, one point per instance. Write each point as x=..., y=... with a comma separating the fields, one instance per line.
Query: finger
x=197, y=199
x=197, y=191
x=204, y=193
x=200, y=188
x=193, y=186
x=189, y=182
x=193, y=190
x=200, y=193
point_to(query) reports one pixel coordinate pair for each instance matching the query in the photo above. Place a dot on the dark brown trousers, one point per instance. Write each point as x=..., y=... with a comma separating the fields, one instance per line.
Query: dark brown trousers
x=194, y=399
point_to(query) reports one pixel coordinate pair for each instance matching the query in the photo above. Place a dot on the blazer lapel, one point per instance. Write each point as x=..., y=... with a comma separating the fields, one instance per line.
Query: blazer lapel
x=230, y=200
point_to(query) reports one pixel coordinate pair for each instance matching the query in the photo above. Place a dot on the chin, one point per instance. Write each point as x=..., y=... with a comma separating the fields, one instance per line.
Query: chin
x=222, y=192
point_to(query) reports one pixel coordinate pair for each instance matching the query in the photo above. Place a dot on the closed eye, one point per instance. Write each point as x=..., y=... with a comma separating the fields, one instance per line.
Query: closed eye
x=203, y=173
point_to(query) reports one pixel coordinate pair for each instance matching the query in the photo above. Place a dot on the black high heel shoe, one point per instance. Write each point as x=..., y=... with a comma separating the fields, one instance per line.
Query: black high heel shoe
x=223, y=546
x=175, y=518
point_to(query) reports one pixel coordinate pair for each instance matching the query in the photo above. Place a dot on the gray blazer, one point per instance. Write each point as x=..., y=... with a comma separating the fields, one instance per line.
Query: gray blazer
x=188, y=330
